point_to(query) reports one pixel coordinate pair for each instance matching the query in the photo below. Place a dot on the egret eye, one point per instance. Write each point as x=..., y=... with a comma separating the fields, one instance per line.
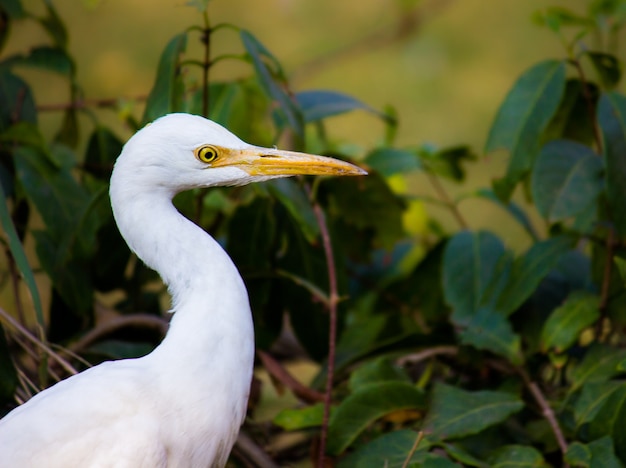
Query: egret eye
x=207, y=154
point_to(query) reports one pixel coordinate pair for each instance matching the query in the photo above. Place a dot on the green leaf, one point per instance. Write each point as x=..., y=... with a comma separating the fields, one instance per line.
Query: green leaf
x=54, y=26
x=612, y=119
x=201, y=5
x=620, y=263
x=69, y=131
x=301, y=418
x=292, y=196
x=458, y=453
x=377, y=371
x=513, y=456
x=63, y=157
x=555, y=17
x=599, y=365
x=15, y=94
x=491, y=331
x=609, y=421
x=321, y=104
x=458, y=413
x=523, y=116
x=69, y=276
x=608, y=68
x=251, y=244
x=380, y=210
x=24, y=133
x=566, y=178
x=54, y=192
x=591, y=399
x=108, y=266
x=118, y=349
x=529, y=270
x=360, y=339
x=572, y=120
x=365, y=406
x=448, y=162
x=239, y=106
x=563, y=327
x=469, y=265
x=266, y=73
x=389, y=450
x=13, y=8
x=513, y=209
x=390, y=161
x=166, y=93
x=48, y=58
x=8, y=373
x=598, y=454
x=433, y=460
x=21, y=261
x=103, y=148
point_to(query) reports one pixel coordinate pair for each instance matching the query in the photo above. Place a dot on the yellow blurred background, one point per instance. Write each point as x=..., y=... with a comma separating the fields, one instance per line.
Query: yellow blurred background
x=446, y=79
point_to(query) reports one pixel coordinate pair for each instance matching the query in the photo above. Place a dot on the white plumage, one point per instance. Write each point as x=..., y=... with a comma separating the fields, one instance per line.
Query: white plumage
x=181, y=405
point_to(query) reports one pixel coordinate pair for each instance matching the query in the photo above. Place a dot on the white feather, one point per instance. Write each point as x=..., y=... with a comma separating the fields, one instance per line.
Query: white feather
x=181, y=405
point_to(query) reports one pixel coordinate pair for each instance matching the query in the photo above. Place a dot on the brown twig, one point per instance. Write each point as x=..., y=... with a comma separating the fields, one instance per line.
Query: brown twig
x=277, y=371
x=251, y=454
x=7, y=318
x=546, y=410
x=427, y=354
x=333, y=300
x=136, y=320
x=447, y=201
x=418, y=439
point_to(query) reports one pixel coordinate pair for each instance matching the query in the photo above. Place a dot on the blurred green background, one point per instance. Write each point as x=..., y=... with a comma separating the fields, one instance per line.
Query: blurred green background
x=444, y=67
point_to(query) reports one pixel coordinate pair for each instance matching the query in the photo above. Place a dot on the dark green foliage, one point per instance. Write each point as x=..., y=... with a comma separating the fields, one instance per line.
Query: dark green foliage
x=502, y=355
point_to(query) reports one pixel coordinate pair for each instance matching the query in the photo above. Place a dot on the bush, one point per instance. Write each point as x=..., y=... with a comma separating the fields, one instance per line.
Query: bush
x=451, y=348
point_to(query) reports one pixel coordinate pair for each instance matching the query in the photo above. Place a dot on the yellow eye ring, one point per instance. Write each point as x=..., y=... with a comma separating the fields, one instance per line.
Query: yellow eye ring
x=207, y=153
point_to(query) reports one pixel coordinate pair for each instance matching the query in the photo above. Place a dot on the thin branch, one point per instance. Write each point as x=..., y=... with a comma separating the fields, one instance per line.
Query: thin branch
x=222, y=57
x=447, y=201
x=72, y=354
x=418, y=439
x=136, y=320
x=597, y=135
x=546, y=410
x=273, y=367
x=7, y=318
x=250, y=453
x=333, y=300
x=27, y=388
x=427, y=354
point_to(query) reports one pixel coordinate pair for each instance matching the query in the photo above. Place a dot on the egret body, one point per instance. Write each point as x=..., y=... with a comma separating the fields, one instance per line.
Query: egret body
x=181, y=405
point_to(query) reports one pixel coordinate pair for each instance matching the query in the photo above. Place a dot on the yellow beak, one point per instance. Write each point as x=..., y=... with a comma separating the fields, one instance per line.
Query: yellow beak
x=258, y=161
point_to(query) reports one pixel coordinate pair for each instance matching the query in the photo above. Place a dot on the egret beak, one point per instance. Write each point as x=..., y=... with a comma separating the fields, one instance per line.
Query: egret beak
x=258, y=161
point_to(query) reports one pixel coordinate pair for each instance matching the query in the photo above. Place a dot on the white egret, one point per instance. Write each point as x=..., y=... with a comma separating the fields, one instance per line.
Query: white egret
x=182, y=404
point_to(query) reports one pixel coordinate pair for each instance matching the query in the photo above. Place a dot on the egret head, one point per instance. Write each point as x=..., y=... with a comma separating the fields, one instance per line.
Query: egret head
x=180, y=151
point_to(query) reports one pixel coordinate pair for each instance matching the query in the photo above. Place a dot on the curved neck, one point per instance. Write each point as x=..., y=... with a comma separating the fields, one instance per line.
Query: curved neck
x=211, y=334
